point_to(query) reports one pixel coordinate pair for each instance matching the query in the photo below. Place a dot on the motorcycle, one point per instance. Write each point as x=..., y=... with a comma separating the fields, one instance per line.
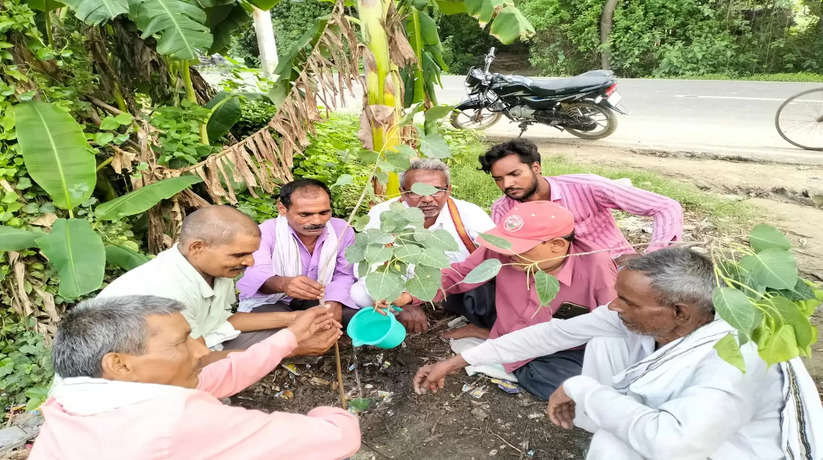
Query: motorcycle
x=584, y=105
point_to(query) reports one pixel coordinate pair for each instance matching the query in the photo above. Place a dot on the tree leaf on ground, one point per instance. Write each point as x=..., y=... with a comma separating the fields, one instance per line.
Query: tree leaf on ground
x=773, y=268
x=483, y=272
x=729, y=351
x=547, y=287
x=736, y=309
x=359, y=404
x=764, y=236
x=76, y=251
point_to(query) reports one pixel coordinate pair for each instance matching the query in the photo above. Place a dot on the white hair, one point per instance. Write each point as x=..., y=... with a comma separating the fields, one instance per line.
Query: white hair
x=428, y=164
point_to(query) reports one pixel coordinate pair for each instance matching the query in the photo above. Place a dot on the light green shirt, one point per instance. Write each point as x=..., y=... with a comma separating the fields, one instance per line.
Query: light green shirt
x=171, y=275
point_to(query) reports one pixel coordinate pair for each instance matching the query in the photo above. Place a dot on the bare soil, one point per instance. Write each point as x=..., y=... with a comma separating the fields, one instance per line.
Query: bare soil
x=453, y=424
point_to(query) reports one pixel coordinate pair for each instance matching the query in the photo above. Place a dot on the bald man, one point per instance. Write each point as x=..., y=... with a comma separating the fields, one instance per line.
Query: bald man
x=215, y=246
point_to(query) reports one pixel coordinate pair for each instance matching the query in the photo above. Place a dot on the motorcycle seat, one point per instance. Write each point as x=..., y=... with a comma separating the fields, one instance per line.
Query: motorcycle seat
x=586, y=81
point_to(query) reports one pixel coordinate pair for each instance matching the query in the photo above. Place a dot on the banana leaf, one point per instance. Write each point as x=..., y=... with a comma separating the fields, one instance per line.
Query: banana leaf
x=76, y=251
x=56, y=153
x=179, y=26
x=144, y=198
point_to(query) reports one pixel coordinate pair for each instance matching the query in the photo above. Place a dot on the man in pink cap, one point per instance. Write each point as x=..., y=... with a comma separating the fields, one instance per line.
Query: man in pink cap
x=542, y=232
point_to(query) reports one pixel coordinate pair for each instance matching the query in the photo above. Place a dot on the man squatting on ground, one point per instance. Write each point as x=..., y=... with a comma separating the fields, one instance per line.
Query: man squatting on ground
x=134, y=388
x=652, y=385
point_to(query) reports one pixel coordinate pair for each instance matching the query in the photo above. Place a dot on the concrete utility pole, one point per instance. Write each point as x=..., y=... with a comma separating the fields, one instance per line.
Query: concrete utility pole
x=265, y=41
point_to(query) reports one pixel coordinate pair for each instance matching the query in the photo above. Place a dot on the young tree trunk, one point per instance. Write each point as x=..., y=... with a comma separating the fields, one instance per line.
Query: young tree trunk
x=265, y=41
x=606, y=22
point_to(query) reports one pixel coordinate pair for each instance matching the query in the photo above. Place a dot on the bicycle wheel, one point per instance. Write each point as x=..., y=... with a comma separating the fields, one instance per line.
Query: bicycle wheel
x=799, y=120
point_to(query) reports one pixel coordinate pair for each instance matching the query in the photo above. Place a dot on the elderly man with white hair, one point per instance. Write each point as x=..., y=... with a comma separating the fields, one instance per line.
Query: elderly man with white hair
x=464, y=221
x=134, y=387
x=652, y=384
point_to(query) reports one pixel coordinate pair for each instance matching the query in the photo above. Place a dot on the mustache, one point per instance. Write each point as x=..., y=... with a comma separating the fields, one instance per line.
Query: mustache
x=313, y=227
x=510, y=189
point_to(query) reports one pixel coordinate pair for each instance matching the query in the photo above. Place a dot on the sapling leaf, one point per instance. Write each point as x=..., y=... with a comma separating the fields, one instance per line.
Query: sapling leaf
x=773, y=268
x=384, y=285
x=483, y=272
x=498, y=241
x=764, y=236
x=729, y=351
x=736, y=309
x=425, y=282
x=780, y=346
x=359, y=404
x=423, y=189
x=547, y=287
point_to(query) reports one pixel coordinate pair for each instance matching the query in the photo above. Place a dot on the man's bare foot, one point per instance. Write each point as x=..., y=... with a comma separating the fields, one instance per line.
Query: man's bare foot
x=469, y=330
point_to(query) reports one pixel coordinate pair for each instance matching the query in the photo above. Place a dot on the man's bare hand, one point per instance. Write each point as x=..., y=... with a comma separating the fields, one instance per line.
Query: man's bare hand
x=432, y=377
x=301, y=287
x=318, y=344
x=309, y=322
x=561, y=409
x=414, y=318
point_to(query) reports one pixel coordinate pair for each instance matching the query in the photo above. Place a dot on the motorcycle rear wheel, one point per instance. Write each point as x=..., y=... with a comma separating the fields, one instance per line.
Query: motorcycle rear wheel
x=474, y=118
x=605, y=119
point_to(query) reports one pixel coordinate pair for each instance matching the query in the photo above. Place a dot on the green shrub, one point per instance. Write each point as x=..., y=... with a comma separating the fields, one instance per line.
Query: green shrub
x=686, y=37
x=331, y=154
x=25, y=364
x=255, y=112
x=464, y=42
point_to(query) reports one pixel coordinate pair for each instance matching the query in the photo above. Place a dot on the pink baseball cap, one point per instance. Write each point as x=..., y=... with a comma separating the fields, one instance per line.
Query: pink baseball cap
x=529, y=224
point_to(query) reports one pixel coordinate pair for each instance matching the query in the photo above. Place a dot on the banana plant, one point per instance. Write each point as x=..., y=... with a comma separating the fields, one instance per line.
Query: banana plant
x=387, y=80
x=60, y=160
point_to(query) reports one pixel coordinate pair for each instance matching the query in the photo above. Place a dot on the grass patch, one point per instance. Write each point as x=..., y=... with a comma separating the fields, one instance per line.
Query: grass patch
x=791, y=77
x=470, y=184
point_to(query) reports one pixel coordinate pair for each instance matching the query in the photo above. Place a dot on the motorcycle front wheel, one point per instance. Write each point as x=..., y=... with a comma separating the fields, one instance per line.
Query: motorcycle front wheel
x=474, y=118
x=604, y=119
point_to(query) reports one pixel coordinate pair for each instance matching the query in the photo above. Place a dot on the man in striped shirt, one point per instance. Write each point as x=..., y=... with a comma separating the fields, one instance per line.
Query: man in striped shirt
x=515, y=168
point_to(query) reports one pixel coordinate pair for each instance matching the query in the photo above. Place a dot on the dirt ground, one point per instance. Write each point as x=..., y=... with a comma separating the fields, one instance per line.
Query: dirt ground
x=454, y=424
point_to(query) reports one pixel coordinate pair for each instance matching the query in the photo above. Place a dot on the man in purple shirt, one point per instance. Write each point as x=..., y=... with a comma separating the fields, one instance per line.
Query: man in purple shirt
x=515, y=168
x=301, y=261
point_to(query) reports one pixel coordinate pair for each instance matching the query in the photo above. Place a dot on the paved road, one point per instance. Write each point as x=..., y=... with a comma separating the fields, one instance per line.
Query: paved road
x=721, y=117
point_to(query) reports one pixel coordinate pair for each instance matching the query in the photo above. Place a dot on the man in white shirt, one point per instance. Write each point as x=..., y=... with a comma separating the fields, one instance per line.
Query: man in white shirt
x=215, y=245
x=463, y=220
x=652, y=384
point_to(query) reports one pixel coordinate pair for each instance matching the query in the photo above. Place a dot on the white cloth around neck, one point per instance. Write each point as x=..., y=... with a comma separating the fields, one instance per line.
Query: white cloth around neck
x=286, y=261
